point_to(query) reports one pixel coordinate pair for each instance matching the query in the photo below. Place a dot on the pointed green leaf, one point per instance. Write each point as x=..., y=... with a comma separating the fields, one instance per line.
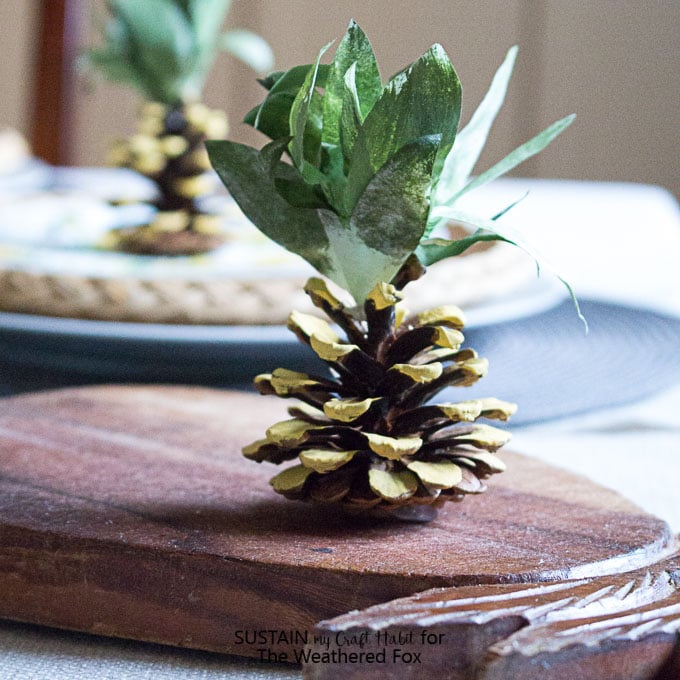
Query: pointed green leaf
x=272, y=116
x=503, y=233
x=292, y=80
x=116, y=59
x=206, y=19
x=424, y=99
x=249, y=47
x=161, y=46
x=519, y=155
x=270, y=79
x=471, y=139
x=334, y=183
x=312, y=140
x=300, y=117
x=390, y=216
x=386, y=224
x=298, y=193
x=350, y=116
x=433, y=250
x=507, y=208
x=113, y=68
x=249, y=176
x=354, y=49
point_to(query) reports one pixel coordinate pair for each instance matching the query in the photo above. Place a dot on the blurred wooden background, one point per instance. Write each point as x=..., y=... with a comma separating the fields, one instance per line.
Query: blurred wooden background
x=613, y=62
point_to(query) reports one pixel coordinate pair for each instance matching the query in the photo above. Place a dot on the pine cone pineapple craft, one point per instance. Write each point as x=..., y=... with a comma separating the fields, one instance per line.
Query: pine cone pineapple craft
x=165, y=49
x=373, y=172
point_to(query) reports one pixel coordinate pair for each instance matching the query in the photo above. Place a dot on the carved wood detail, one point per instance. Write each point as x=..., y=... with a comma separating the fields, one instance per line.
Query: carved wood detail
x=624, y=626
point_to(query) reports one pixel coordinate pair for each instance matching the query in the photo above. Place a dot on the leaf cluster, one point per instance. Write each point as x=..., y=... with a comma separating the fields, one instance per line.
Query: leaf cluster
x=165, y=48
x=359, y=173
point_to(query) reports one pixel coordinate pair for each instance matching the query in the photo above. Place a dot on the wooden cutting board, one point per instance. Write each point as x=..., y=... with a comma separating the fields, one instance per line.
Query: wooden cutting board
x=129, y=511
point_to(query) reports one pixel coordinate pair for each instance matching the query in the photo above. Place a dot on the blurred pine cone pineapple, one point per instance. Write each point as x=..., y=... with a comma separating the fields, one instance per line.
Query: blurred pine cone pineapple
x=164, y=49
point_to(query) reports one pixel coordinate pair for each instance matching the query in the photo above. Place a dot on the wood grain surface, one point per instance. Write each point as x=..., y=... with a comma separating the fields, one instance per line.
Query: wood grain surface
x=129, y=511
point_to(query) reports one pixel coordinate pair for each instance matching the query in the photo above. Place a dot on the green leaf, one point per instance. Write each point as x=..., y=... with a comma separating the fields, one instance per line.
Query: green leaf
x=292, y=186
x=507, y=234
x=249, y=176
x=302, y=122
x=390, y=216
x=112, y=67
x=354, y=50
x=350, y=116
x=271, y=79
x=471, y=139
x=507, y=208
x=206, y=18
x=422, y=100
x=433, y=250
x=272, y=116
x=293, y=79
x=519, y=155
x=161, y=45
x=358, y=198
x=299, y=194
x=249, y=47
x=334, y=182
x=116, y=60
x=387, y=223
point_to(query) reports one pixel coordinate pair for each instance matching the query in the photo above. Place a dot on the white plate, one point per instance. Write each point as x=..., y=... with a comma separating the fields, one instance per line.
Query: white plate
x=34, y=175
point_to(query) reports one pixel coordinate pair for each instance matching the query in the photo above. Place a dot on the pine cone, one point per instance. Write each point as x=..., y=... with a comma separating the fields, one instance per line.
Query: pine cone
x=366, y=436
x=169, y=149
